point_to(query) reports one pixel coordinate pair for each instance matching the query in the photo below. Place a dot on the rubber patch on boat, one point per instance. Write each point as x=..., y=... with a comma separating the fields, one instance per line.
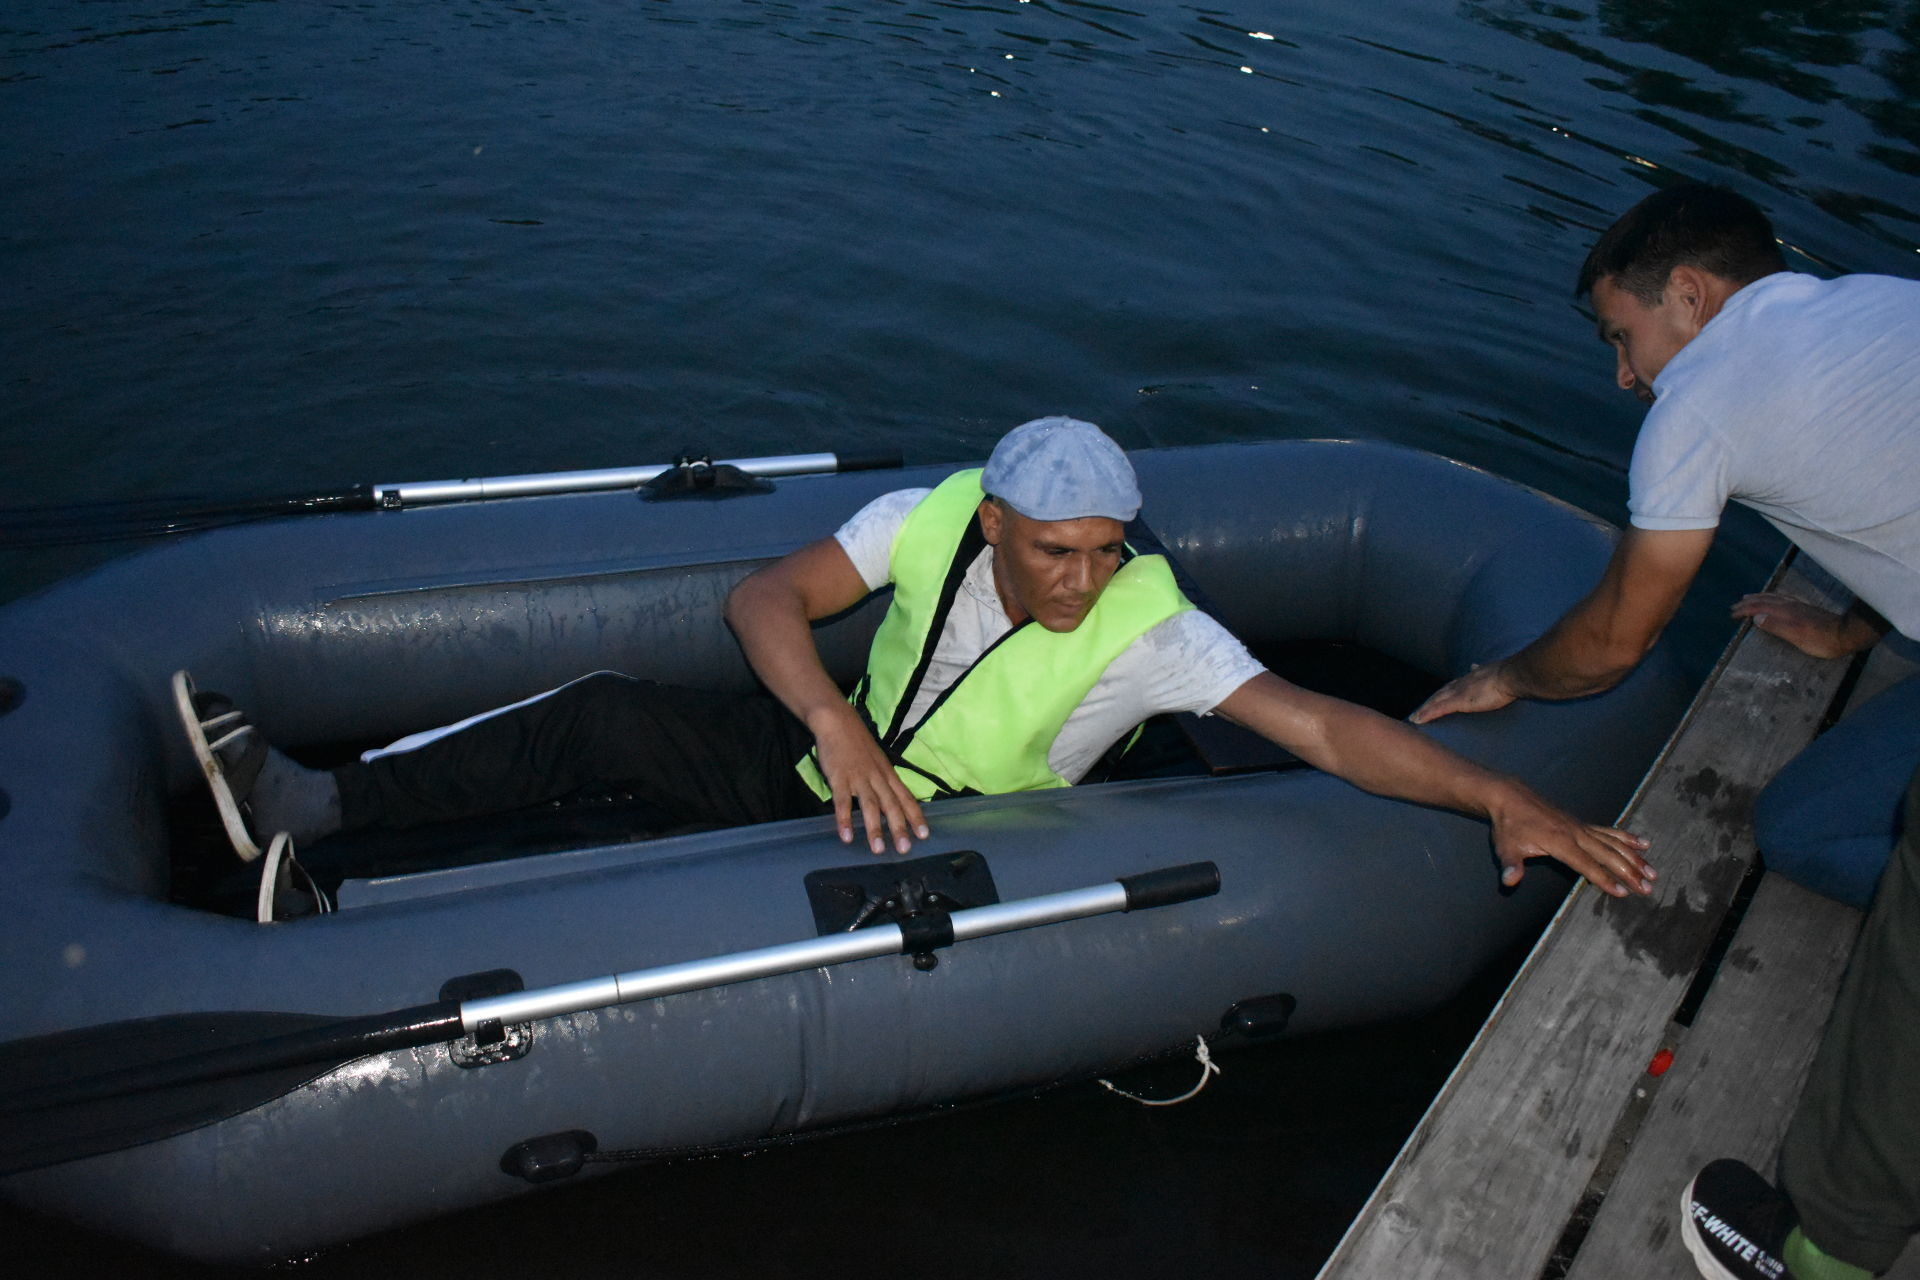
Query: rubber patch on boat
x=848, y=898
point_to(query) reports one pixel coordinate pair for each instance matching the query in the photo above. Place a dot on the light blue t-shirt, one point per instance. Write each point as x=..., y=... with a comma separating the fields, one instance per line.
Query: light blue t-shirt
x=1801, y=399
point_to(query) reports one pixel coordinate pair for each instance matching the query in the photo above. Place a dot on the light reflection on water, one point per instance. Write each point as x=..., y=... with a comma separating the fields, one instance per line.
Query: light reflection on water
x=256, y=247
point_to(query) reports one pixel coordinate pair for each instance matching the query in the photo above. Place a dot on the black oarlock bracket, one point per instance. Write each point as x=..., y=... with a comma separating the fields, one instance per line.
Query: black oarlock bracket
x=490, y=1043
x=922, y=933
x=698, y=476
x=848, y=898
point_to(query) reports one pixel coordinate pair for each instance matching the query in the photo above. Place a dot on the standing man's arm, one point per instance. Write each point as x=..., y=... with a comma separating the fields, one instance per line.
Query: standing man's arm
x=1387, y=758
x=770, y=611
x=1599, y=640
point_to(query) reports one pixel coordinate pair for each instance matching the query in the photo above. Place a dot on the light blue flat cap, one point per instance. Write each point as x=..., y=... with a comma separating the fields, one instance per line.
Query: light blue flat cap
x=1062, y=469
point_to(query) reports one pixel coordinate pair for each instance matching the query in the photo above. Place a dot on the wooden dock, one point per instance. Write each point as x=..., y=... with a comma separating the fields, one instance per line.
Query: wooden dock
x=1552, y=1153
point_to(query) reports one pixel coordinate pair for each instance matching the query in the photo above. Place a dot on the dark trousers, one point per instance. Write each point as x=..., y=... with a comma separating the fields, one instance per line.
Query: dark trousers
x=1852, y=1157
x=697, y=757
x=1829, y=818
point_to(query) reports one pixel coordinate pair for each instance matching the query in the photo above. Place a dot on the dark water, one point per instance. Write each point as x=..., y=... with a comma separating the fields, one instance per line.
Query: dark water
x=251, y=246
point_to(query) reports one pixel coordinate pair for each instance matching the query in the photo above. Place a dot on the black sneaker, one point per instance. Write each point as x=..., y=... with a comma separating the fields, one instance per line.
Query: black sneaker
x=1735, y=1223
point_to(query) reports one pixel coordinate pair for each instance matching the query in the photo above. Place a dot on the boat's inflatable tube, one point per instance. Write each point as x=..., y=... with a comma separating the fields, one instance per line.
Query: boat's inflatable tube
x=350, y=627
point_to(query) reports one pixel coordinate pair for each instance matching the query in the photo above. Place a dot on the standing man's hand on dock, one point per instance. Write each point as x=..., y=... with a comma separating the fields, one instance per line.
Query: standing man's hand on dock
x=1484, y=688
x=1525, y=827
x=1809, y=628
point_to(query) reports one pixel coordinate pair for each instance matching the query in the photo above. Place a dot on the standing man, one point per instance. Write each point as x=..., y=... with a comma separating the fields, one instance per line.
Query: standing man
x=1799, y=397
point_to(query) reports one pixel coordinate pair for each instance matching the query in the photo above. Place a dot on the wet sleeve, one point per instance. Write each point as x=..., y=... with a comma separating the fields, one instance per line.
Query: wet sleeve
x=1192, y=663
x=1680, y=474
x=868, y=537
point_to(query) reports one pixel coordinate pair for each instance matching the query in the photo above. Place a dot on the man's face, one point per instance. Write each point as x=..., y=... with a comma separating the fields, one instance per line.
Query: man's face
x=1643, y=337
x=1050, y=570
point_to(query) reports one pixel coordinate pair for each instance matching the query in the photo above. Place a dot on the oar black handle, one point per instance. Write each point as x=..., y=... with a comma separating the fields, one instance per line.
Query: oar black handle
x=878, y=460
x=1169, y=885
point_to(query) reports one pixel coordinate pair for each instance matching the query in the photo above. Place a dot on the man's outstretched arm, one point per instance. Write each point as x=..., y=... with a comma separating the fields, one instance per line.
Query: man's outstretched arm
x=1387, y=758
x=1598, y=641
x=770, y=611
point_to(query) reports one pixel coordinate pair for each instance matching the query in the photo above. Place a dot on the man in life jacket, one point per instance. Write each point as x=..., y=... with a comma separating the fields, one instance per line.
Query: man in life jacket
x=1023, y=640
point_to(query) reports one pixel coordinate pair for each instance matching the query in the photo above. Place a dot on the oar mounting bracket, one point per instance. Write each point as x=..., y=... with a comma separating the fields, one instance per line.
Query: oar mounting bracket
x=492, y=1042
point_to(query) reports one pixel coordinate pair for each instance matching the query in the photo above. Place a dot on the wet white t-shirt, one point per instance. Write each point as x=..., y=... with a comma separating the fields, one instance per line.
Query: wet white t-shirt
x=1187, y=663
x=1801, y=399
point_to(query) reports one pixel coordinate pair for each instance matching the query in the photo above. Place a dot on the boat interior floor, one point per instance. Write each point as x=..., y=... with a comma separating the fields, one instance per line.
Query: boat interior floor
x=206, y=875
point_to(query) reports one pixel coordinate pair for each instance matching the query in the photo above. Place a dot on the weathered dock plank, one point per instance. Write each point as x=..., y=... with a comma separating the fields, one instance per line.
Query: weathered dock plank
x=1739, y=1068
x=1489, y=1180
x=1736, y=1076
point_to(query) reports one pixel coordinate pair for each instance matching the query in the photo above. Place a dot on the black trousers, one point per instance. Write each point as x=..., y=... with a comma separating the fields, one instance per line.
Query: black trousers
x=697, y=757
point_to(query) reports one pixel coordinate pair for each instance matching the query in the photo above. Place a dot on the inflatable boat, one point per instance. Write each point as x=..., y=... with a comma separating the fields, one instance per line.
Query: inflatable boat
x=461, y=1029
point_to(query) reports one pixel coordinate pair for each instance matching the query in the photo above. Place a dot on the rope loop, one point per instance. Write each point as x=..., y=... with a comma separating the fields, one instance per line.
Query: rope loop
x=1208, y=1069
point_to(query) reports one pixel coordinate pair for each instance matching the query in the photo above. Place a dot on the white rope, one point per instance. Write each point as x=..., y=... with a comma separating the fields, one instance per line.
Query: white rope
x=1208, y=1070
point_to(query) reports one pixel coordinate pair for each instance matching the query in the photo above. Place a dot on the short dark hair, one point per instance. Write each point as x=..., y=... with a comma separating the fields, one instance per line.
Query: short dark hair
x=1691, y=224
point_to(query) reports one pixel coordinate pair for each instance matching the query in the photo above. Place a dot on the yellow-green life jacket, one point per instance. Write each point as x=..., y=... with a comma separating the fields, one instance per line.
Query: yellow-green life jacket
x=991, y=730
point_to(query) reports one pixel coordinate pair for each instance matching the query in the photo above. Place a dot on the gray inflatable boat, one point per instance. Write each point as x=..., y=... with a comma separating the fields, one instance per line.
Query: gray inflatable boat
x=450, y=1034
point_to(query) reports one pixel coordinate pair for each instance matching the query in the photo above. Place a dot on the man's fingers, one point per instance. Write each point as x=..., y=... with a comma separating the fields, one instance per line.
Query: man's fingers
x=1608, y=858
x=877, y=814
x=1445, y=701
x=891, y=811
x=910, y=810
x=870, y=824
x=1596, y=872
x=1621, y=875
x=1478, y=690
x=1612, y=862
x=1431, y=709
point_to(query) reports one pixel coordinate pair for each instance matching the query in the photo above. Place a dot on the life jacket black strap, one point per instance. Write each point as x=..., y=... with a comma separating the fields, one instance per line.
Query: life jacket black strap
x=972, y=542
x=944, y=790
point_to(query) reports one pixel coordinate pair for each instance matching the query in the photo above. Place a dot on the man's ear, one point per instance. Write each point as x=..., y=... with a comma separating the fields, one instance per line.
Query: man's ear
x=1697, y=292
x=991, y=522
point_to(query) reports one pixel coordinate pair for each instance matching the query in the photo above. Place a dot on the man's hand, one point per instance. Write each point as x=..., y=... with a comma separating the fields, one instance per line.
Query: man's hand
x=1599, y=641
x=1525, y=826
x=1484, y=688
x=770, y=611
x=860, y=774
x=1809, y=628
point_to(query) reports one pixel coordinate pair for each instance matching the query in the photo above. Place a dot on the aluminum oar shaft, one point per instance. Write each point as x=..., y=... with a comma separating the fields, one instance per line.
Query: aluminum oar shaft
x=424, y=492
x=789, y=957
